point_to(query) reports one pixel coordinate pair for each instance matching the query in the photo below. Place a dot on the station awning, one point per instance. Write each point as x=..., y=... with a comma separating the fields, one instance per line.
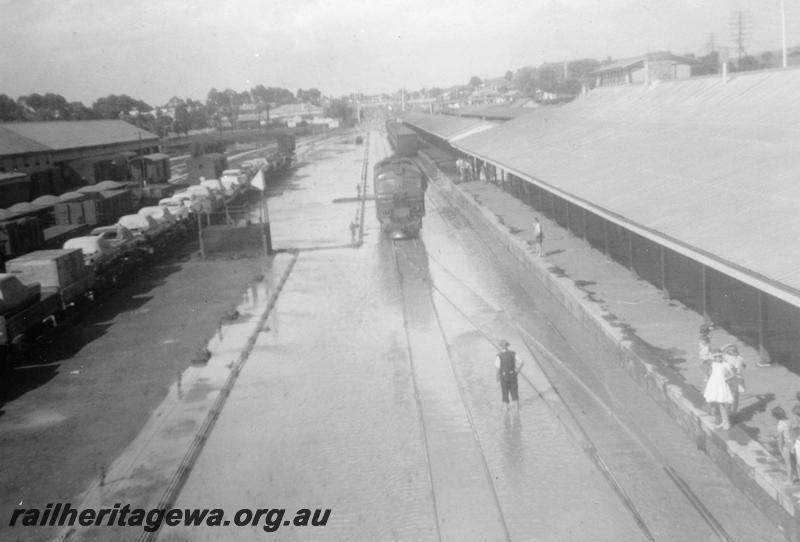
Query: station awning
x=706, y=168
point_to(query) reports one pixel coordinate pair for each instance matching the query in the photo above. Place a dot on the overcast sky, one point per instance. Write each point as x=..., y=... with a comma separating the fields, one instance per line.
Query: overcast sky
x=152, y=50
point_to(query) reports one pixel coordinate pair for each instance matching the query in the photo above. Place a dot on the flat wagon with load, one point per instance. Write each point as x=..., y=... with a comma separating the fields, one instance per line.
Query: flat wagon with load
x=37, y=289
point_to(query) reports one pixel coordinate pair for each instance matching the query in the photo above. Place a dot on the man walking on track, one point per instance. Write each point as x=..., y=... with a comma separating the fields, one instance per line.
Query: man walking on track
x=507, y=370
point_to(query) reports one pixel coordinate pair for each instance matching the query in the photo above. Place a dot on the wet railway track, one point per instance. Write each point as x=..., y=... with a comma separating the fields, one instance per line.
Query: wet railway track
x=496, y=529
x=629, y=461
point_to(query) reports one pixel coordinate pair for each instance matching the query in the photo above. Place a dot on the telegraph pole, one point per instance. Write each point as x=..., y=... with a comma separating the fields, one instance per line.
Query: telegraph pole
x=141, y=163
x=783, y=32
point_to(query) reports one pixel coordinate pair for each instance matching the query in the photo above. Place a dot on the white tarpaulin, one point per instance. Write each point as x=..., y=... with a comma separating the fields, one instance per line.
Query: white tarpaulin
x=258, y=181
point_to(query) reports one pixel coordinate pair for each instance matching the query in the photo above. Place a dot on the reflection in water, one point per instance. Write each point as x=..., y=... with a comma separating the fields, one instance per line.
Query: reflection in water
x=512, y=444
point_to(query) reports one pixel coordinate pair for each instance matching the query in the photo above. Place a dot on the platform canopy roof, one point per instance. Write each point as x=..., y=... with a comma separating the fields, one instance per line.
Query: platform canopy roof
x=705, y=167
x=72, y=134
x=491, y=112
x=446, y=127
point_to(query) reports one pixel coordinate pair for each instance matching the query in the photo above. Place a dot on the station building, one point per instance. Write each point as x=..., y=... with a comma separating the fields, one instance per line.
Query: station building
x=662, y=66
x=58, y=156
x=690, y=184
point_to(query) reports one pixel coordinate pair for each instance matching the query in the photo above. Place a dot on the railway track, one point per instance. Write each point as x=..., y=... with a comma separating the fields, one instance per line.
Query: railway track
x=402, y=263
x=652, y=471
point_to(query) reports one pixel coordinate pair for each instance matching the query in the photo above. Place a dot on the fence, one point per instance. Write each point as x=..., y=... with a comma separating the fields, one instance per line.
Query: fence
x=240, y=231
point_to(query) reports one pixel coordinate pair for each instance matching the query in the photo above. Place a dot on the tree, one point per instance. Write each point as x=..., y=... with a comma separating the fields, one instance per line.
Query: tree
x=272, y=95
x=527, y=80
x=474, y=82
x=113, y=106
x=9, y=109
x=311, y=95
x=78, y=111
x=705, y=65
x=549, y=76
x=44, y=107
x=198, y=117
x=340, y=108
x=509, y=76
x=748, y=63
x=241, y=98
x=222, y=101
x=182, y=119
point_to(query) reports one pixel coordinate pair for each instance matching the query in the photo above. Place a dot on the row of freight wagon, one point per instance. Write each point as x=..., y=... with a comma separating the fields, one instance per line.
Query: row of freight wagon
x=47, y=221
x=40, y=288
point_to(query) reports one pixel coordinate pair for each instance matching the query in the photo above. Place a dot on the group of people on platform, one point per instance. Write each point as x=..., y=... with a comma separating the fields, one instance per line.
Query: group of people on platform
x=725, y=381
x=788, y=431
x=480, y=172
x=464, y=168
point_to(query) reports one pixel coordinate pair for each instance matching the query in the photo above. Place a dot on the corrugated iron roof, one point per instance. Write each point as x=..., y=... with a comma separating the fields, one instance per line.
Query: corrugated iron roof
x=65, y=134
x=12, y=143
x=710, y=167
x=446, y=127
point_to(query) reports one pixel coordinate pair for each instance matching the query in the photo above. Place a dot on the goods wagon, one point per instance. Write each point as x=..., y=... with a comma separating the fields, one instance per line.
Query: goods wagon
x=402, y=139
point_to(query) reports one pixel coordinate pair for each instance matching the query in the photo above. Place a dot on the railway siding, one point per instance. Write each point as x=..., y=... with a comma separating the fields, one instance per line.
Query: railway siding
x=746, y=462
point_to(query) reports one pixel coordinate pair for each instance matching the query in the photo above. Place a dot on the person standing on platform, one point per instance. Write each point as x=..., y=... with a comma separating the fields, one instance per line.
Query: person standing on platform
x=353, y=229
x=784, y=434
x=704, y=350
x=538, y=237
x=717, y=392
x=508, y=367
x=736, y=362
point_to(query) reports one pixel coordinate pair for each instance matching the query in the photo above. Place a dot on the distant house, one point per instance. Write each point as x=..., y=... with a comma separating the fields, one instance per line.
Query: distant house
x=643, y=69
x=293, y=112
x=251, y=120
x=325, y=121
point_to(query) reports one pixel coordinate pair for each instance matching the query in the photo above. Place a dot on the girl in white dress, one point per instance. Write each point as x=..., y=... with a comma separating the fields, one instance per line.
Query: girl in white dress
x=717, y=392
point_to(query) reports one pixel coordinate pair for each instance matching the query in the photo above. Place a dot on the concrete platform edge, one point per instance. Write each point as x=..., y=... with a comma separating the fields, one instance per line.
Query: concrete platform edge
x=763, y=482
